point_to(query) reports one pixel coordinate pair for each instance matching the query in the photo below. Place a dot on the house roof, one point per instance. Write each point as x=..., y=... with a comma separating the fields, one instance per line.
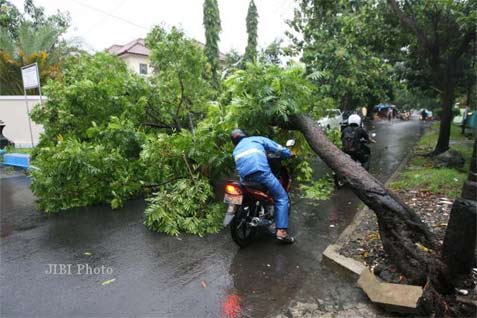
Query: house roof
x=136, y=46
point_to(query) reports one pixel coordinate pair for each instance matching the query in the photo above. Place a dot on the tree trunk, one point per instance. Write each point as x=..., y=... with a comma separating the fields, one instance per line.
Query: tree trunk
x=469, y=190
x=403, y=234
x=447, y=98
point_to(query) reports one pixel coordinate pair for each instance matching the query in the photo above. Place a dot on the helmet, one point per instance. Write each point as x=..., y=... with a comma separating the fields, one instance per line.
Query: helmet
x=354, y=119
x=236, y=135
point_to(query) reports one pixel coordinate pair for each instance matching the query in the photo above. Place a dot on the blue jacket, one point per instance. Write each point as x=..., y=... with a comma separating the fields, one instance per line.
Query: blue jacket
x=250, y=155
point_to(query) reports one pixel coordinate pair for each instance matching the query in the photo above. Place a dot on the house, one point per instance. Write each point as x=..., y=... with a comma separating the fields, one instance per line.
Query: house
x=135, y=54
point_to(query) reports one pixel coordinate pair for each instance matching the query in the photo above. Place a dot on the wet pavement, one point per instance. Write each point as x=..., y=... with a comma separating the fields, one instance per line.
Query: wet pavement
x=109, y=265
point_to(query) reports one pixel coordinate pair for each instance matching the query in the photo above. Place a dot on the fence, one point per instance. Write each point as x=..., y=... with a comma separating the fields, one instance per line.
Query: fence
x=13, y=112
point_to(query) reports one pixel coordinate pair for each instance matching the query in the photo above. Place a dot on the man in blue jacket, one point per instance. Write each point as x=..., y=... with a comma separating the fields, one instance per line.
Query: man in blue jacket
x=250, y=155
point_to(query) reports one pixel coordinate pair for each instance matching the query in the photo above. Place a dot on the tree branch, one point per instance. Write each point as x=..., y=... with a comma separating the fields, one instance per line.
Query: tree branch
x=155, y=125
x=411, y=24
x=468, y=37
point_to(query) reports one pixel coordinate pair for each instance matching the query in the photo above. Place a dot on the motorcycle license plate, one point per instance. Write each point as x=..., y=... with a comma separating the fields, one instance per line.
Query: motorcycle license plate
x=233, y=199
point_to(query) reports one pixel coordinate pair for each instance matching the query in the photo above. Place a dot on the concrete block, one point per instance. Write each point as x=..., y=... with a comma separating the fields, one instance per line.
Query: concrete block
x=394, y=297
x=331, y=253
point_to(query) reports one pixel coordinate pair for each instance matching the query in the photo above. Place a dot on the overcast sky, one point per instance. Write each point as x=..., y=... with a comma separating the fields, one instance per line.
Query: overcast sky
x=102, y=23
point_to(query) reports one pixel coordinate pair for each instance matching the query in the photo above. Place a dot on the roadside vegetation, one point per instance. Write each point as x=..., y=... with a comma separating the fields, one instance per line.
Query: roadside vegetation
x=424, y=173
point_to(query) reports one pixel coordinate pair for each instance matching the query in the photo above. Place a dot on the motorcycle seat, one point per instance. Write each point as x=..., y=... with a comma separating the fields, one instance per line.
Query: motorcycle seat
x=254, y=185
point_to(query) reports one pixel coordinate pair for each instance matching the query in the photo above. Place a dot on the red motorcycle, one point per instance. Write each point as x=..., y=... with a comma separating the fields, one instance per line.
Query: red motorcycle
x=250, y=206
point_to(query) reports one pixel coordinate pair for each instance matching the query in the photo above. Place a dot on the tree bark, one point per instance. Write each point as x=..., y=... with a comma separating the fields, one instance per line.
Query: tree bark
x=447, y=98
x=405, y=237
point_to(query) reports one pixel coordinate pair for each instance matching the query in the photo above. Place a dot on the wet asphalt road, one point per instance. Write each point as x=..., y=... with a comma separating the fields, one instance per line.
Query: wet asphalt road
x=161, y=276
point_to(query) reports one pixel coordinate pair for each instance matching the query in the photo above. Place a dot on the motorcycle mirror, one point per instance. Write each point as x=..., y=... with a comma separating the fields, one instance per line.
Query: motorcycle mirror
x=290, y=143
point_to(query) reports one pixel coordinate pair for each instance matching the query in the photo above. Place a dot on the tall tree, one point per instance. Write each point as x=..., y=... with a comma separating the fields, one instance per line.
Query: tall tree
x=10, y=17
x=32, y=45
x=212, y=36
x=29, y=38
x=272, y=53
x=252, y=25
x=443, y=32
x=328, y=37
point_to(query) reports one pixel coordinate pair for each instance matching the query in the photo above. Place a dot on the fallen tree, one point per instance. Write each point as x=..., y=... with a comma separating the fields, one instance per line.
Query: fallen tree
x=406, y=239
x=271, y=97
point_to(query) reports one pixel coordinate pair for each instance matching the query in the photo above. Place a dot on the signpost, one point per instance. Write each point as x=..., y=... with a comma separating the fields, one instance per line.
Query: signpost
x=31, y=79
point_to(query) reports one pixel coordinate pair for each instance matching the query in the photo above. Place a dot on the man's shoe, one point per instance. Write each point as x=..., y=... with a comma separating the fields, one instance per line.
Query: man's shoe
x=286, y=239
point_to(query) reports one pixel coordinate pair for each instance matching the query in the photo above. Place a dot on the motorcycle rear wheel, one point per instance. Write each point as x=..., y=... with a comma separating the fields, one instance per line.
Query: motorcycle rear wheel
x=242, y=232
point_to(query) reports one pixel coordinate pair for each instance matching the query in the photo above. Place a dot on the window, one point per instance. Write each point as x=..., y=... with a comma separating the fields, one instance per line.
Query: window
x=142, y=68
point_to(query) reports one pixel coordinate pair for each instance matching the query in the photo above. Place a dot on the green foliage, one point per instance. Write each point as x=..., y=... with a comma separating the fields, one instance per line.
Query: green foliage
x=181, y=88
x=96, y=148
x=30, y=38
x=320, y=189
x=328, y=35
x=183, y=156
x=334, y=135
x=184, y=206
x=264, y=93
x=10, y=17
x=90, y=149
x=212, y=36
x=413, y=98
x=272, y=53
x=252, y=25
x=92, y=89
x=188, y=165
x=73, y=174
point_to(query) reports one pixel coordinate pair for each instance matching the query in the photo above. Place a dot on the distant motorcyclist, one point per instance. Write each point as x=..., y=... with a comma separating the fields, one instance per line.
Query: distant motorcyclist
x=250, y=155
x=354, y=138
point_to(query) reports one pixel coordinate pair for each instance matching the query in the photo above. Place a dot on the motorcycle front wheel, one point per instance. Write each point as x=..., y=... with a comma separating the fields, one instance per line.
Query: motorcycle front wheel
x=242, y=232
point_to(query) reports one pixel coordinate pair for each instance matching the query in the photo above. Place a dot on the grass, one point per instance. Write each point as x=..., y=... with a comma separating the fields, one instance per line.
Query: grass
x=443, y=181
x=420, y=174
x=11, y=149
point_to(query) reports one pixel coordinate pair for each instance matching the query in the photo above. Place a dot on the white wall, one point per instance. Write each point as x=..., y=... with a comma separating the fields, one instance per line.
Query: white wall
x=133, y=61
x=13, y=112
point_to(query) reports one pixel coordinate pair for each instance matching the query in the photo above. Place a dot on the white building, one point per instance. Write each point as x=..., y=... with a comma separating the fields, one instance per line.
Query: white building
x=135, y=54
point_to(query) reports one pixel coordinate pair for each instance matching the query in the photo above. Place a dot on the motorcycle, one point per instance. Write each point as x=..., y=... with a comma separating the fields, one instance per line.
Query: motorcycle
x=250, y=206
x=363, y=158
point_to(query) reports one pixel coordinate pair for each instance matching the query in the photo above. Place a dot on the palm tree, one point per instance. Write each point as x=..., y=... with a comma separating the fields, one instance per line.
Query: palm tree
x=33, y=44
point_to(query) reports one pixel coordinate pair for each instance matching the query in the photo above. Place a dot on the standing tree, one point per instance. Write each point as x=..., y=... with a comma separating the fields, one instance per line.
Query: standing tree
x=252, y=24
x=272, y=53
x=347, y=73
x=29, y=38
x=443, y=31
x=10, y=17
x=212, y=31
